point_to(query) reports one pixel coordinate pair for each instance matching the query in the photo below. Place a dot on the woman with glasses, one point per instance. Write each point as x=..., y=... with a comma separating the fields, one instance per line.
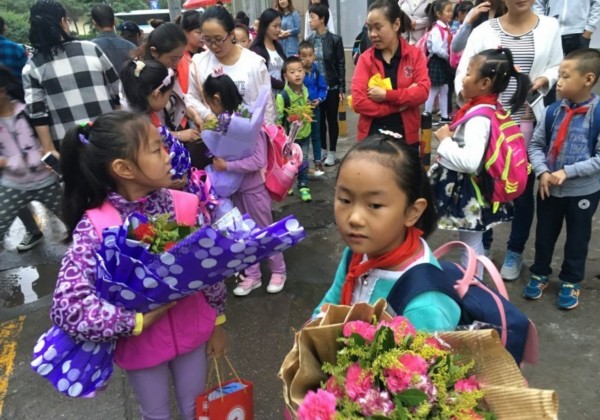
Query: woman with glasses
x=246, y=68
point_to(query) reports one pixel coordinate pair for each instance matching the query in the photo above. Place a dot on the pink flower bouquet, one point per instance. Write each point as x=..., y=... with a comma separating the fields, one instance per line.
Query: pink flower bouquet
x=359, y=362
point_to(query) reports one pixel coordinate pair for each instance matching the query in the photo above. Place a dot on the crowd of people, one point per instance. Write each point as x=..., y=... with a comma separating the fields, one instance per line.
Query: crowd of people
x=96, y=106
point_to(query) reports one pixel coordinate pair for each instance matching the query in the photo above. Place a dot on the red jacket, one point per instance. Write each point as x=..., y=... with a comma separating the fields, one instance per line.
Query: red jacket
x=412, y=90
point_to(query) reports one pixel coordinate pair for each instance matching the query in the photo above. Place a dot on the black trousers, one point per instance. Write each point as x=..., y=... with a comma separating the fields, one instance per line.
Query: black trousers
x=577, y=212
x=329, y=120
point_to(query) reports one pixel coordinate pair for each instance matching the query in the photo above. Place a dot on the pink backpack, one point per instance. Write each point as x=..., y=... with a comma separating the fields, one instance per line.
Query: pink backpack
x=185, y=206
x=506, y=167
x=284, y=158
x=422, y=42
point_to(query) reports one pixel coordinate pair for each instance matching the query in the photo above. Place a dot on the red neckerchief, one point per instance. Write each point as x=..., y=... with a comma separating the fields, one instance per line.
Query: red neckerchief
x=358, y=267
x=155, y=121
x=479, y=100
x=561, y=135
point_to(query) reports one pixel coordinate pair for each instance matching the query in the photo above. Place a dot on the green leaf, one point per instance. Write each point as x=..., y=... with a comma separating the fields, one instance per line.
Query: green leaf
x=359, y=341
x=410, y=397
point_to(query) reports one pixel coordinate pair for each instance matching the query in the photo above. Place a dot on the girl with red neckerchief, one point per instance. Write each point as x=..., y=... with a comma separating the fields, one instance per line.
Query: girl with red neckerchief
x=383, y=211
x=462, y=148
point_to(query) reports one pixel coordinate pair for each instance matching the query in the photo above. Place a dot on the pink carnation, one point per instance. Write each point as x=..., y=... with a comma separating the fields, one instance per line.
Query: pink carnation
x=332, y=387
x=358, y=382
x=397, y=379
x=414, y=363
x=318, y=405
x=375, y=402
x=467, y=385
x=401, y=327
x=413, y=367
x=362, y=328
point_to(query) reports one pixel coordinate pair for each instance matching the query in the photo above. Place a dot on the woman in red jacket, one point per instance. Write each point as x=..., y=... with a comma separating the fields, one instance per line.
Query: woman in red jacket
x=390, y=56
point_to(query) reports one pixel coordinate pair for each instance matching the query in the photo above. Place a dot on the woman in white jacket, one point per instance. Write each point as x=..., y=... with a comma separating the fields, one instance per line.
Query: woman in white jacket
x=246, y=68
x=536, y=47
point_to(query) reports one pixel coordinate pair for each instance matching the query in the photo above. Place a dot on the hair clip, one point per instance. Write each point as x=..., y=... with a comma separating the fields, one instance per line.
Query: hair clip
x=168, y=79
x=218, y=71
x=82, y=139
x=389, y=133
x=139, y=66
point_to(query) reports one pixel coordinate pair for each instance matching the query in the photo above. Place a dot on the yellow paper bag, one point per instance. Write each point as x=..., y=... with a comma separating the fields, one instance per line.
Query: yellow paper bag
x=374, y=81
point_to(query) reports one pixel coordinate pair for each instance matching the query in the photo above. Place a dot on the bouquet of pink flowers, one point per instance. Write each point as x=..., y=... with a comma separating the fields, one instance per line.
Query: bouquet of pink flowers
x=388, y=370
x=359, y=362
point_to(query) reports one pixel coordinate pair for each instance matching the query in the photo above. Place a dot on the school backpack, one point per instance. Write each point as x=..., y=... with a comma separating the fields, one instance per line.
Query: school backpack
x=284, y=158
x=505, y=164
x=454, y=58
x=481, y=306
x=552, y=112
x=185, y=207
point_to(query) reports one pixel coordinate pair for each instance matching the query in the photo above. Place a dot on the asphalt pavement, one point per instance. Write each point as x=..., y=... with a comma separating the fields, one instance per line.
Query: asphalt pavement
x=261, y=326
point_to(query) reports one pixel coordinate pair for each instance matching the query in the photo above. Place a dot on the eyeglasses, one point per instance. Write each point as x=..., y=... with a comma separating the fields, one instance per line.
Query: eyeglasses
x=214, y=41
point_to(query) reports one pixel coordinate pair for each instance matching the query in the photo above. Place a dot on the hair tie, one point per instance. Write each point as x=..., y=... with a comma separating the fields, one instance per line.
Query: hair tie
x=218, y=71
x=168, y=78
x=392, y=134
x=139, y=66
x=84, y=132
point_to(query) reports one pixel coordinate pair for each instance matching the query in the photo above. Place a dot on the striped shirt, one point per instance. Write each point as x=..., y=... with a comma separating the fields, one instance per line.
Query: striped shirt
x=522, y=48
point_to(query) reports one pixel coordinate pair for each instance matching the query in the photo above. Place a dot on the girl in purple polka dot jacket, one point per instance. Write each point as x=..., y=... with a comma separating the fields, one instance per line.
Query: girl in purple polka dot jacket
x=120, y=159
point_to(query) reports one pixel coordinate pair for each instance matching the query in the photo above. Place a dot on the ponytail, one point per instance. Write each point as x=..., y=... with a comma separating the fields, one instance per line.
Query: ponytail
x=433, y=9
x=87, y=152
x=499, y=66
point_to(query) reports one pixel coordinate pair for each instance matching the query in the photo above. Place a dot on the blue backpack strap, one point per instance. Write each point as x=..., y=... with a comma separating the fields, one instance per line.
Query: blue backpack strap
x=594, y=128
x=551, y=112
x=419, y=279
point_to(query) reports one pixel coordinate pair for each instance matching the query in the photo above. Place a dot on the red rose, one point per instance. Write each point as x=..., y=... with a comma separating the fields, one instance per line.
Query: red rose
x=169, y=245
x=144, y=232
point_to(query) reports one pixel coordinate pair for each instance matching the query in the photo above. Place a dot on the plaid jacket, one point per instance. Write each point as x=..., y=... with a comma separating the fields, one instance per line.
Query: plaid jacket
x=77, y=85
x=12, y=56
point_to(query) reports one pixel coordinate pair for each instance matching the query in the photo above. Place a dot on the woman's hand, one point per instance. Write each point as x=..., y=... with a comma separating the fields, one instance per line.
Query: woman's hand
x=443, y=132
x=476, y=11
x=153, y=316
x=376, y=94
x=342, y=97
x=539, y=83
x=217, y=343
x=219, y=164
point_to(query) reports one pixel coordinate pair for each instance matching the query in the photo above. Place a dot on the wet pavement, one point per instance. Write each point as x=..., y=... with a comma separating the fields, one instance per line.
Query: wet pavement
x=261, y=326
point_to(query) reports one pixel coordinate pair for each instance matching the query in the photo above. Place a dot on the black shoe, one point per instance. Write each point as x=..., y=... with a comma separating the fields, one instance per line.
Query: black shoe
x=30, y=240
x=446, y=120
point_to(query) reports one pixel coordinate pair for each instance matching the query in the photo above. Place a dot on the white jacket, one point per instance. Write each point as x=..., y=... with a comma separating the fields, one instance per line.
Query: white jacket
x=249, y=74
x=547, y=53
x=574, y=16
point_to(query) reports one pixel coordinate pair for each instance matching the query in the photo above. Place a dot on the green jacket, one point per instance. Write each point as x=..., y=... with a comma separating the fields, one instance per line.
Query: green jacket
x=295, y=99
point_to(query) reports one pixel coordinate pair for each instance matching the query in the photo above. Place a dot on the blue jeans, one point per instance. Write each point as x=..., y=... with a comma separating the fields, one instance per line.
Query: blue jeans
x=523, y=219
x=315, y=134
x=577, y=212
x=303, y=172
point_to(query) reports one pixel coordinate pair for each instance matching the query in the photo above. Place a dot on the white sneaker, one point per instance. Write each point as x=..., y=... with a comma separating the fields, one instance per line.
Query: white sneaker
x=276, y=284
x=330, y=160
x=246, y=285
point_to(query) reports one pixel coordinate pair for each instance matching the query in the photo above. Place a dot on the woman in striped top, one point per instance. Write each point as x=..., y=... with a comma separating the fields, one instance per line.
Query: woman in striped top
x=536, y=46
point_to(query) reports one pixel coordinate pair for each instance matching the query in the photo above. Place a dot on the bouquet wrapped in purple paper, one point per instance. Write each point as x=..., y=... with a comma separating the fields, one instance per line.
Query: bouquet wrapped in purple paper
x=181, y=161
x=233, y=136
x=130, y=275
